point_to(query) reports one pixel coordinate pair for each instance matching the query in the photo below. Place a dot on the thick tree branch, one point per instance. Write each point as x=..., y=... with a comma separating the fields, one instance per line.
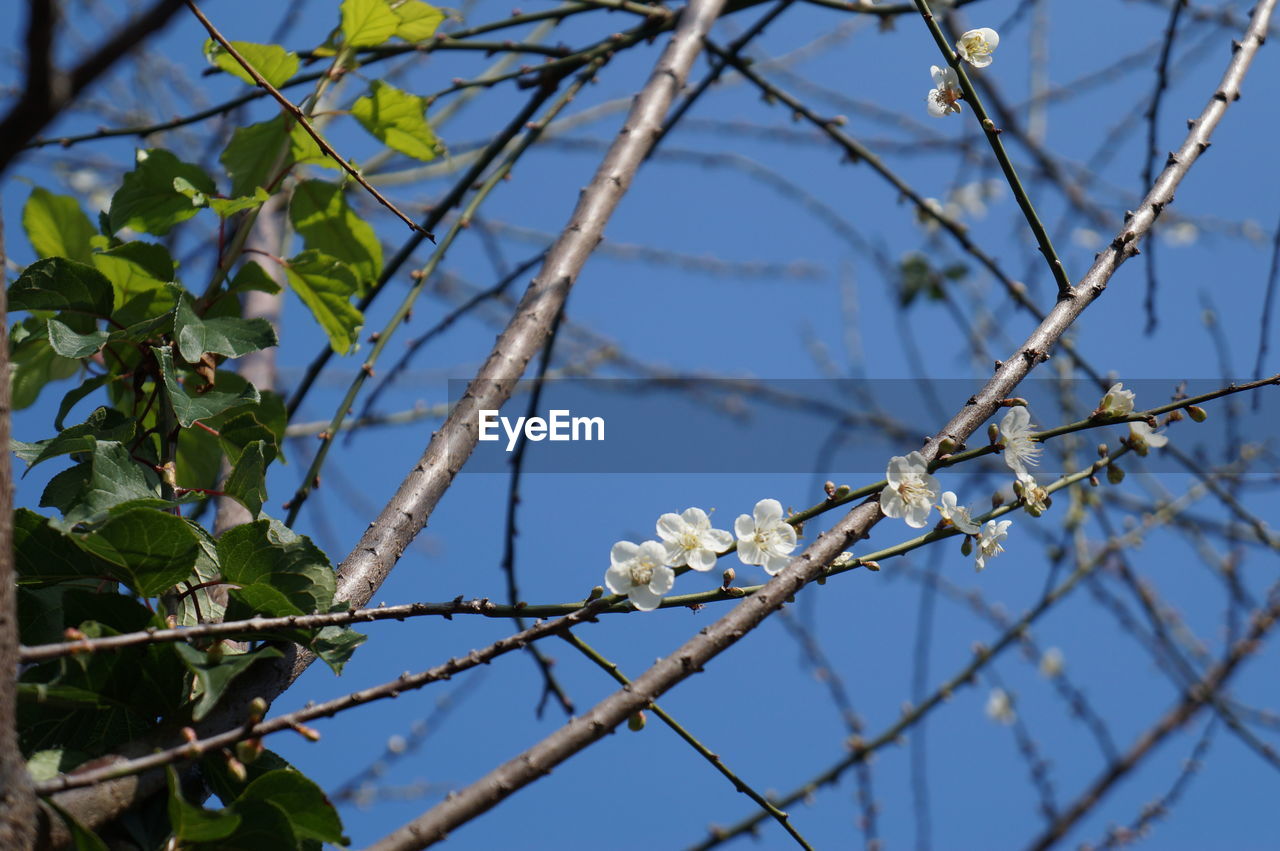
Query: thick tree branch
x=540, y=759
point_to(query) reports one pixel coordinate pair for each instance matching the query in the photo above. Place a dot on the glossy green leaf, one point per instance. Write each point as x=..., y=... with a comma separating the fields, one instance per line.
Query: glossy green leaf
x=147, y=200
x=57, y=283
x=247, y=483
x=187, y=408
x=252, y=276
x=56, y=225
x=227, y=336
x=152, y=549
x=272, y=62
x=258, y=154
x=326, y=286
x=308, y=809
x=216, y=672
x=43, y=554
x=105, y=424
x=321, y=215
x=418, y=20
x=226, y=207
x=241, y=430
x=111, y=477
x=335, y=645
x=139, y=273
x=398, y=119
x=191, y=822
x=69, y=344
x=279, y=572
x=367, y=23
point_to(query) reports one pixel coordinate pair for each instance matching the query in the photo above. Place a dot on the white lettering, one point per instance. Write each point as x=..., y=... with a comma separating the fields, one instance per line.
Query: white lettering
x=587, y=424
x=560, y=425
x=488, y=421
x=512, y=433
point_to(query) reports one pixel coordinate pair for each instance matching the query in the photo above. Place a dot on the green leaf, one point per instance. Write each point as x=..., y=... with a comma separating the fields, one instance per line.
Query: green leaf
x=138, y=272
x=42, y=554
x=279, y=572
x=152, y=549
x=308, y=809
x=69, y=344
x=216, y=673
x=253, y=277
x=335, y=645
x=418, y=20
x=105, y=424
x=48, y=764
x=227, y=207
x=189, y=409
x=111, y=478
x=85, y=388
x=193, y=823
x=271, y=61
x=241, y=430
x=398, y=119
x=198, y=606
x=56, y=225
x=326, y=286
x=56, y=283
x=253, y=157
x=320, y=213
x=34, y=363
x=247, y=483
x=147, y=200
x=367, y=23
x=225, y=336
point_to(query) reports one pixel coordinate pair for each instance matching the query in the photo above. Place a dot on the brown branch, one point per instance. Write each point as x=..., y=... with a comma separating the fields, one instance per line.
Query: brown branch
x=538, y=760
x=300, y=117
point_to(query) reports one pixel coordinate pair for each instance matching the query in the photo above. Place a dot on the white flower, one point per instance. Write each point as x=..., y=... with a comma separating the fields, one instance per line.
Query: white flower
x=976, y=46
x=689, y=539
x=1051, y=663
x=637, y=571
x=1035, y=499
x=1117, y=402
x=911, y=490
x=1000, y=707
x=945, y=95
x=957, y=515
x=765, y=538
x=1015, y=433
x=1142, y=437
x=989, y=541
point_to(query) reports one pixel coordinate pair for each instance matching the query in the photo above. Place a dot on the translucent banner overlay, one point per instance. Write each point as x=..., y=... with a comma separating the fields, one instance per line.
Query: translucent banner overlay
x=835, y=426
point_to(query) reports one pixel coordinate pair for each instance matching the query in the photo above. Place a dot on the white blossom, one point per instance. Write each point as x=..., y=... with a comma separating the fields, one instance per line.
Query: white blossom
x=989, y=539
x=976, y=46
x=1142, y=437
x=690, y=540
x=944, y=97
x=957, y=515
x=1015, y=433
x=1051, y=663
x=637, y=570
x=1035, y=499
x=1117, y=402
x=1000, y=707
x=911, y=490
x=764, y=538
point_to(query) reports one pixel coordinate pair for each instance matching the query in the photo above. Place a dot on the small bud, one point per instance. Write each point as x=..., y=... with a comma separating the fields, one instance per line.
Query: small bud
x=830, y=489
x=308, y=733
x=636, y=722
x=248, y=750
x=237, y=769
x=1103, y=450
x=257, y=710
x=842, y=492
x=1013, y=402
x=966, y=546
x=728, y=577
x=873, y=566
x=1093, y=481
x=946, y=446
x=1197, y=413
x=1173, y=417
x=1115, y=475
x=997, y=499
x=596, y=593
x=993, y=433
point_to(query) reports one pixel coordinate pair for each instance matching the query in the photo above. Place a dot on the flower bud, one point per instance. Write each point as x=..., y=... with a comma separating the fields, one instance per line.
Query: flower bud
x=237, y=769
x=728, y=577
x=1197, y=413
x=1115, y=475
x=993, y=433
x=842, y=492
x=636, y=722
x=997, y=499
x=248, y=750
x=966, y=546
x=257, y=710
x=873, y=566
x=1103, y=450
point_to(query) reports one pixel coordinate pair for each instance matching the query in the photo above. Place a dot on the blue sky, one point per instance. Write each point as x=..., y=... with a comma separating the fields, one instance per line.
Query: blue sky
x=757, y=705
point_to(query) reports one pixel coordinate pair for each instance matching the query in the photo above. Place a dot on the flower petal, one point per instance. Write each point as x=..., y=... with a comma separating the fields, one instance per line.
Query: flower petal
x=663, y=579
x=670, y=527
x=717, y=539
x=701, y=559
x=644, y=599
x=618, y=579
x=623, y=551
x=767, y=513
x=744, y=526
x=774, y=564
x=696, y=517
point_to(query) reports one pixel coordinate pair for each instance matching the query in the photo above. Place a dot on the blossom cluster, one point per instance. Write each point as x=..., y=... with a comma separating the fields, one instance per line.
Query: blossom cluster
x=974, y=47
x=645, y=572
